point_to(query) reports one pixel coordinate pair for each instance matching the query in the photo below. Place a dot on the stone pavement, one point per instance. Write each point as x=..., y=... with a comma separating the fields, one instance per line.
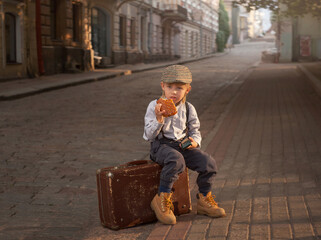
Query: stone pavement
x=268, y=147
x=53, y=143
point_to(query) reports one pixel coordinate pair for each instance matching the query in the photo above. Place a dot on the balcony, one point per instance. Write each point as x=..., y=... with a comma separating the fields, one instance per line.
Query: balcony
x=174, y=12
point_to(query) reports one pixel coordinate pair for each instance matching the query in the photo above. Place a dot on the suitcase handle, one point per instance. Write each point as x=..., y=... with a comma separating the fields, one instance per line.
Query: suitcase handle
x=137, y=162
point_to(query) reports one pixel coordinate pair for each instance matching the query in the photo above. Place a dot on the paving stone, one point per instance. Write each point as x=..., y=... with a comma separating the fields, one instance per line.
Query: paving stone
x=238, y=231
x=279, y=209
x=180, y=229
x=242, y=211
x=196, y=236
x=260, y=231
x=261, y=210
x=219, y=228
x=281, y=231
x=303, y=230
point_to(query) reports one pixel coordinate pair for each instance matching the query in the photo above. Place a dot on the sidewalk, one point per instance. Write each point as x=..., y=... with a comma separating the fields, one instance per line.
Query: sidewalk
x=25, y=87
x=268, y=149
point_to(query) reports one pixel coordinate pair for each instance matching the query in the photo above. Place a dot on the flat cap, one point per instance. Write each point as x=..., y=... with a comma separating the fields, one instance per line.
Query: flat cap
x=177, y=74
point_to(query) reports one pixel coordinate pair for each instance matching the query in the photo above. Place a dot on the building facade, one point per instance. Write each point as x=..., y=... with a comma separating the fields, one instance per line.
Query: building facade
x=57, y=36
x=65, y=44
x=198, y=33
x=147, y=31
x=165, y=29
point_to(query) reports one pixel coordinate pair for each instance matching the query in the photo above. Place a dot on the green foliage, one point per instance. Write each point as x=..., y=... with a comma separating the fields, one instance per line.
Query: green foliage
x=224, y=28
x=220, y=41
x=294, y=8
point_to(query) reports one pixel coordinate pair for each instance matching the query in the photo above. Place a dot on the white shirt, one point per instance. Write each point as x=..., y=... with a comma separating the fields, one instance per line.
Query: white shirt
x=173, y=127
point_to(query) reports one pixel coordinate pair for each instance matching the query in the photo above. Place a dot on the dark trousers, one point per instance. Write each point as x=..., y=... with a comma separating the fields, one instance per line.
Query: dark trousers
x=168, y=154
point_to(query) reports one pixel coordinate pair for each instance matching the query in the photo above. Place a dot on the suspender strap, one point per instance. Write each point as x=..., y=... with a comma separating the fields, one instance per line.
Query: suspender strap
x=187, y=116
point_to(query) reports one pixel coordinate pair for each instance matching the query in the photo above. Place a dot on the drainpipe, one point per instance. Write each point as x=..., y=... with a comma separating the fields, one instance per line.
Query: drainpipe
x=3, y=41
x=41, y=69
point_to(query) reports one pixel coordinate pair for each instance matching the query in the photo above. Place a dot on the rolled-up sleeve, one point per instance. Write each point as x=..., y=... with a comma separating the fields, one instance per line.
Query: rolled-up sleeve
x=194, y=125
x=152, y=127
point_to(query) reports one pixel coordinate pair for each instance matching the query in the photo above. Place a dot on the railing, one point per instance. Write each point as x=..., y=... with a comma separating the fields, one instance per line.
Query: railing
x=175, y=8
x=172, y=2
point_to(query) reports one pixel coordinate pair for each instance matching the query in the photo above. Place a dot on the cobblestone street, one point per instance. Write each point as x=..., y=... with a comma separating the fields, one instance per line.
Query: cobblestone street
x=260, y=121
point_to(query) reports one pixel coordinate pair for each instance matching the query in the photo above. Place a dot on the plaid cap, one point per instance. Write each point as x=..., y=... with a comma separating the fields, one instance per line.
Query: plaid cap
x=176, y=74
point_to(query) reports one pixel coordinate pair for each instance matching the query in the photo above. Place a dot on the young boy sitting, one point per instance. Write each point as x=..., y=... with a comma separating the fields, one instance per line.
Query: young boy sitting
x=166, y=135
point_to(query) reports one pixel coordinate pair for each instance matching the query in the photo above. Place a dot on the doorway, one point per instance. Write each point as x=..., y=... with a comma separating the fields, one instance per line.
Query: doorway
x=100, y=33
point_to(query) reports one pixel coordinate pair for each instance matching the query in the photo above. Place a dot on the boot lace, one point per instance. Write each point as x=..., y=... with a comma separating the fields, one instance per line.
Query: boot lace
x=167, y=203
x=210, y=200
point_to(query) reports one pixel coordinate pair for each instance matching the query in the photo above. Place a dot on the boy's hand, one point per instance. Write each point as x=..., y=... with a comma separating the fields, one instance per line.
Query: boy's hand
x=159, y=113
x=194, y=144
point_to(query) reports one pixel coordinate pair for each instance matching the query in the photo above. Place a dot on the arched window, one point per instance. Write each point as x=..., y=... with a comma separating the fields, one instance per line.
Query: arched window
x=10, y=38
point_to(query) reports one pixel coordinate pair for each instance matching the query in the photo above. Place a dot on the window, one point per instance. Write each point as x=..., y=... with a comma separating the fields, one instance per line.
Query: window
x=142, y=33
x=163, y=39
x=122, y=31
x=186, y=43
x=197, y=43
x=192, y=44
x=53, y=19
x=99, y=32
x=10, y=38
x=243, y=22
x=150, y=37
x=57, y=16
x=158, y=38
x=132, y=32
x=76, y=13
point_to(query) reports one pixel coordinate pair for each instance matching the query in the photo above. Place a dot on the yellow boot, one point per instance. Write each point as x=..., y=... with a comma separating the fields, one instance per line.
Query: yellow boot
x=163, y=208
x=207, y=206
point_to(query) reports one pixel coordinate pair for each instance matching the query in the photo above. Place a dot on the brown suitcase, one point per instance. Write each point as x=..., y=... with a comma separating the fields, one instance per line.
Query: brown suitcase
x=125, y=193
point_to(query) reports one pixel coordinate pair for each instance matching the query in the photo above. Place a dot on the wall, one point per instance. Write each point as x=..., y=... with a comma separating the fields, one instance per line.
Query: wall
x=286, y=41
x=313, y=30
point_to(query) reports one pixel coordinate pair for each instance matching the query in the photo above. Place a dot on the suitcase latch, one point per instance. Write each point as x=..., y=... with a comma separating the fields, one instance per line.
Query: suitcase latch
x=110, y=175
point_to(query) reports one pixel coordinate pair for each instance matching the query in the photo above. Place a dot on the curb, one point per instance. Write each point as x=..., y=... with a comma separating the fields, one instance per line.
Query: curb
x=28, y=91
x=46, y=87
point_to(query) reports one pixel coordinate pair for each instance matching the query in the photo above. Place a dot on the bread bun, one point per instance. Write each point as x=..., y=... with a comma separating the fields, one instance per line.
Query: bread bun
x=167, y=105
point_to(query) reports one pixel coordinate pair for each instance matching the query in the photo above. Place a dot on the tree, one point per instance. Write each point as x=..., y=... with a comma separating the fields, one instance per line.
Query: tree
x=224, y=28
x=220, y=41
x=294, y=8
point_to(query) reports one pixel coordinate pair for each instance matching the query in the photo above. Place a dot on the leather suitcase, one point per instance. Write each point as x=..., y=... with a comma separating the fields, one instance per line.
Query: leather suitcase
x=126, y=191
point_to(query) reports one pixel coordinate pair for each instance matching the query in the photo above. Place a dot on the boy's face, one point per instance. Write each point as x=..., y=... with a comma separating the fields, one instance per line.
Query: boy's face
x=175, y=91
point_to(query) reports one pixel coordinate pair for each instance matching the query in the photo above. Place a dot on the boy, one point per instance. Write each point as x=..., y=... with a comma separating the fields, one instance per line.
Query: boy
x=166, y=135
